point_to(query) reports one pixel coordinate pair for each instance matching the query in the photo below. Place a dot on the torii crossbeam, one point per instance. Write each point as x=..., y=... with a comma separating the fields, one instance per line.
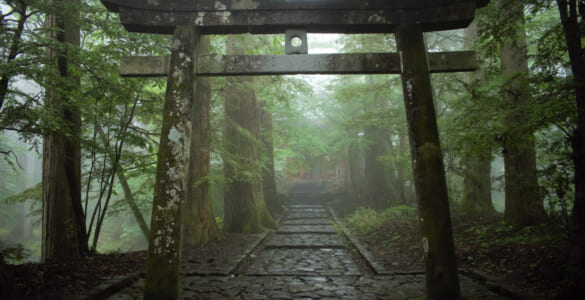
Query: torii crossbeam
x=408, y=19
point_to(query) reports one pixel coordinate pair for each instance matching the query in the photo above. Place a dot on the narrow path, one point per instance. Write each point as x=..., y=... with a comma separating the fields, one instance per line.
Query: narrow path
x=305, y=259
x=306, y=244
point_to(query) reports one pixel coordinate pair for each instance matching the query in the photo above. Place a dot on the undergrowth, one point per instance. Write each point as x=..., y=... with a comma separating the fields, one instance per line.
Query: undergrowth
x=366, y=220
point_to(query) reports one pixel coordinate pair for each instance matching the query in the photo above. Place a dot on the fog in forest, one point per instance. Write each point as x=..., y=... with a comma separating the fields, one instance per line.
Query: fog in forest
x=485, y=172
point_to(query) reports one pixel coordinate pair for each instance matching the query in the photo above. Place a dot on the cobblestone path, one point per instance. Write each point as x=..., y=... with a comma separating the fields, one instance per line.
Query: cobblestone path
x=305, y=259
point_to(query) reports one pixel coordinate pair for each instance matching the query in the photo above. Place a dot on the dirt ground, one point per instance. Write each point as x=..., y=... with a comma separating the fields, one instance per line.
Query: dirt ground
x=58, y=280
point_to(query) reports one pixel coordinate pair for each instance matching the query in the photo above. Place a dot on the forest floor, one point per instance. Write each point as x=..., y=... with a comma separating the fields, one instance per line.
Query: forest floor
x=58, y=280
x=531, y=261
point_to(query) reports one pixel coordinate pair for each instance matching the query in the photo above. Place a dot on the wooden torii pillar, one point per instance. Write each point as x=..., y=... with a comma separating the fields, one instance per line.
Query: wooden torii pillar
x=408, y=19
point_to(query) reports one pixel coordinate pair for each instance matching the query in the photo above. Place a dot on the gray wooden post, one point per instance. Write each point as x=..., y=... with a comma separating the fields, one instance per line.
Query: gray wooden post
x=429, y=174
x=164, y=251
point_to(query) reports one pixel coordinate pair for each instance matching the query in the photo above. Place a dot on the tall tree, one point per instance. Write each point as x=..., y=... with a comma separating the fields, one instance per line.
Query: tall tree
x=268, y=176
x=199, y=224
x=64, y=234
x=244, y=206
x=524, y=204
x=573, y=18
x=477, y=189
x=375, y=136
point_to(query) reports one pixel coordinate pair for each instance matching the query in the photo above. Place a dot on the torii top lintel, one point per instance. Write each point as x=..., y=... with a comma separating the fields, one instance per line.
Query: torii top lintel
x=276, y=16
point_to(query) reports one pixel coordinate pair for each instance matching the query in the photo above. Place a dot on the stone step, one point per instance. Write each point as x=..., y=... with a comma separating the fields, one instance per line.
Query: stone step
x=306, y=262
x=307, y=215
x=296, y=240
x=308, y=221
x=302, y=206
x=294, y=229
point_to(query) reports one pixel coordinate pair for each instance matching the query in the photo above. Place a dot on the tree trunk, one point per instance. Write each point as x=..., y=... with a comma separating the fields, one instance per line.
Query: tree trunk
x=64, y=234
x=268, y=176
x=401, y=169
x=477, y=189
x=199, y=225
x=354, y=170
x=441, y=277
x=376, y=184
x=165, y=240
x=524, y=204
x=569, y=17
x=244, y=206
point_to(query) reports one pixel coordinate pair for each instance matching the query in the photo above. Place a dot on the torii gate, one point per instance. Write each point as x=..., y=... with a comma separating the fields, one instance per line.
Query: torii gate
x=187, y=20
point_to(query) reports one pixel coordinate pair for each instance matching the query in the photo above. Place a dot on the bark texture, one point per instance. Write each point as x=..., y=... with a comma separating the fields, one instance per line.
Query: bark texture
x=441, y=277
x=199, y=225
x=64, y=233
x=244, y=206
x=524, y=204
x=165, y=240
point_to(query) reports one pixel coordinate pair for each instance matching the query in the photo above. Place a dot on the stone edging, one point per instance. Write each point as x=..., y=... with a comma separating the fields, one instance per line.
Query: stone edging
x=495, y=284
x=363, y=251
x=117, y=283
x=109, y=287
x=235, y=263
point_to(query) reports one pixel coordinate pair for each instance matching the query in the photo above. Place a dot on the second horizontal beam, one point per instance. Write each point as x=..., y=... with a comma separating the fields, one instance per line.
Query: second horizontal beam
x=242, y=65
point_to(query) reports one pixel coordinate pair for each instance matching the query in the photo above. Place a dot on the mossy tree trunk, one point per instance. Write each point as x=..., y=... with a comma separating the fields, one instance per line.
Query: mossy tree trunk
x=199, y=225
x=477, y=189
x=165, y=240
x=524, y=204
x=244, y=206
x=268, y=176
x=64, y=231
x=441, y=277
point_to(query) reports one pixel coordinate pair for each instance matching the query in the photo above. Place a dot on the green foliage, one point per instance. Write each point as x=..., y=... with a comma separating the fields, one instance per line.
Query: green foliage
x=365, y=220
x=368, y=221
x=14, y=254
x=501, y=235
x=34, y=193
x=219, y=222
